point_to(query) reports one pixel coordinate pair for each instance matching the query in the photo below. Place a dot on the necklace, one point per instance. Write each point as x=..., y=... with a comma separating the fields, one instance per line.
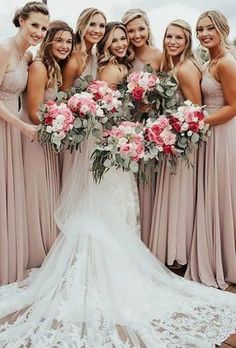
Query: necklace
x=19, y=51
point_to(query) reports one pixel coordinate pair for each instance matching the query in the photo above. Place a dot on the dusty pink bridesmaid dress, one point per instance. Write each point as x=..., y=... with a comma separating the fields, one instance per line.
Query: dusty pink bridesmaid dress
x=42, y=186
x=213, y=253
x=174, y=211
x=13, y=227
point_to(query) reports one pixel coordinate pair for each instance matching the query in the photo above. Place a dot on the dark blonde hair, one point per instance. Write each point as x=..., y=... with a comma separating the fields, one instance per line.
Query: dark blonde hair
x=46, y=56
x=220, y=23
x=104, y=54
x=134, y=13
x=27, y=9
x=167, y=62
x=82, y=25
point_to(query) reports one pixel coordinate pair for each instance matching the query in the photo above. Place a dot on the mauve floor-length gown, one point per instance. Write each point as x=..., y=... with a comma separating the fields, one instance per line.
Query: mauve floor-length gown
x=13, y=227
x=146, y=191
x=213, y=252
x=174, y=210
x=42, y=186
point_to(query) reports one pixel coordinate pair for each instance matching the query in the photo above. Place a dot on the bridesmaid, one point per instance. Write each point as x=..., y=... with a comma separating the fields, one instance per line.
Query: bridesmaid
x=213, y=253
x=41, y=167
x=90, y=30
x=174, y=207
x=141, y=41
x=32, y=20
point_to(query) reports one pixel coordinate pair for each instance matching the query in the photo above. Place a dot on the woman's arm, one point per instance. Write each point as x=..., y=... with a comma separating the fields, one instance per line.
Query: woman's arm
x=69, y=73
x=189, y=82
x=226, y=71
x=6, y=114
x=111, y=74
x=35, y=89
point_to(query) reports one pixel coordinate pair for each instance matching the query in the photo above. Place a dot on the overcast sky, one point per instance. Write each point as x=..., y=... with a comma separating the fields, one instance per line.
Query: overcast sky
x=160, y=12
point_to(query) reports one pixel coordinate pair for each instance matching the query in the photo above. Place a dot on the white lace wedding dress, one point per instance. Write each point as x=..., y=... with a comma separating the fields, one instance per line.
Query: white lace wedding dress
x=100, y=287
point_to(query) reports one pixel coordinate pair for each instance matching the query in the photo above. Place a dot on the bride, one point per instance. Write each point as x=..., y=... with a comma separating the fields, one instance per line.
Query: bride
x=100, y=286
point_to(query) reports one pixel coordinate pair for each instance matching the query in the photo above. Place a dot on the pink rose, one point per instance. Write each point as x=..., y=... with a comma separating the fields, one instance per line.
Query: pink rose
x=138, y=93
x=199, y=115
x=194, y=127
x=134, y=77
x=189, y=116
x=163, y=122
x=156, y=129
x=169, y=138
x=124, y=149
x=167, y=149
x=152, y=79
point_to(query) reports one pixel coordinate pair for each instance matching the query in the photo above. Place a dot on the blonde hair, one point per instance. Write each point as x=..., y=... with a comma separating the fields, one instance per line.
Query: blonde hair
x=46, y=56
x=220, y=23
x=167, y=62
x=104, y=54
x=134, y=13
x=82, y=25
x=25, y=11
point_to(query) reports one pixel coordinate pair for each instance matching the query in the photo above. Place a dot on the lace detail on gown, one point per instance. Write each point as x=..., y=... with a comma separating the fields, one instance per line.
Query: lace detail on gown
x=14, y=81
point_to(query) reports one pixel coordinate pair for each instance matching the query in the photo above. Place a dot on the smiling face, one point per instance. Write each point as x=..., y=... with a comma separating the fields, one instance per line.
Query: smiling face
x=207, y=33
x=175, y=41
x=34, y=28
x=119, y=44
x=62, y=44
x=138, y=32
x=95, y=30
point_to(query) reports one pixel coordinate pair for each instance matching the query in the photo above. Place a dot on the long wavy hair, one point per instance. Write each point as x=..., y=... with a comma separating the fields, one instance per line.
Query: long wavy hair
x=134, y=13
x=82, y=25
x=167, y=62
x=104, y=54
x=25, y=11
x=46, y=56
x=220, y=23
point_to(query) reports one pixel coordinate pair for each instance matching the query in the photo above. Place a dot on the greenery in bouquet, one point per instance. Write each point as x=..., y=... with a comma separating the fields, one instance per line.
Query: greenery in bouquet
x=120, y=147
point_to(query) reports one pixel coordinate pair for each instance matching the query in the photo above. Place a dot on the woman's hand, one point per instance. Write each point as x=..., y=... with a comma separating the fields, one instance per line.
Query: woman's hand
x=29, y=131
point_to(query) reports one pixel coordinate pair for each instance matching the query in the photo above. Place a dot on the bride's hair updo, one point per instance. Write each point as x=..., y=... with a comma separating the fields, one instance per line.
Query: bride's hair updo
x=220, y=23
x=27, y=9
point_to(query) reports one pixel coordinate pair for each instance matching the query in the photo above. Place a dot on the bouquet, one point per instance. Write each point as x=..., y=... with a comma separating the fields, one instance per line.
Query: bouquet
x=189, y=127
x=109, y=101
x=146, y=92
x=121, y=147
x=85, y=109
x=175, y=136
x=160, y=141
x=56, y=122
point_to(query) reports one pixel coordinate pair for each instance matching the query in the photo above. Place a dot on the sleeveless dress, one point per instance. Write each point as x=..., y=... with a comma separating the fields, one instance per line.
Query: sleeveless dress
x=99, y=286
x=42, y=185
x=213, y=253
x=146, y=191
x=67, y=158
x=174, y=211
x=13, y=227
